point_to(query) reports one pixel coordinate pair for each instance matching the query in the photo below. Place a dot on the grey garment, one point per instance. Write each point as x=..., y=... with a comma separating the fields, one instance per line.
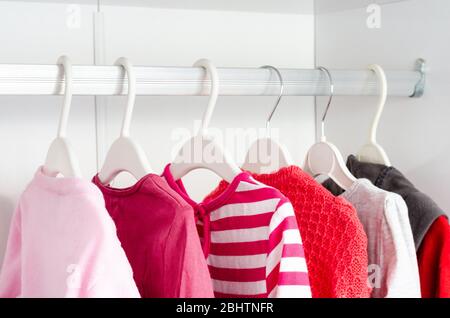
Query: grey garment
x=422, y=210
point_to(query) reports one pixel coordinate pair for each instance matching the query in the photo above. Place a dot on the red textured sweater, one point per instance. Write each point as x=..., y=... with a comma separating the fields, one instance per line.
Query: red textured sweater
x=434, y=260
x=334, y=240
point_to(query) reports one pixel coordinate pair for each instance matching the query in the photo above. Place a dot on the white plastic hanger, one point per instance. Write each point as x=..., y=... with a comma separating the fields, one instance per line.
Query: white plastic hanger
x=324, y=158
x=266, y=155
x=60, y=156
x=125, y=154
x=372, y=152
x=202, y=151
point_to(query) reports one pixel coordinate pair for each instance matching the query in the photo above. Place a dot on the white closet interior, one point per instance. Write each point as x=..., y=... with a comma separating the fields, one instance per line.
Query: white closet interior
x=284, y=33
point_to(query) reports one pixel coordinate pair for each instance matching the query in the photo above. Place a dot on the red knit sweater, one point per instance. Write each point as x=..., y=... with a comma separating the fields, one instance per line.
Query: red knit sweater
x=334, y=240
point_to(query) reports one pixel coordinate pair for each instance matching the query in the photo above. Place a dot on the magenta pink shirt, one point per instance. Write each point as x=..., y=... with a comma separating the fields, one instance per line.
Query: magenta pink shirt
x=158, y=233
x=63, y=243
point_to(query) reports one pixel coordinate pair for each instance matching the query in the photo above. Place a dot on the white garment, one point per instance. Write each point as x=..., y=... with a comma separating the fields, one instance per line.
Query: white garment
x=393, y=269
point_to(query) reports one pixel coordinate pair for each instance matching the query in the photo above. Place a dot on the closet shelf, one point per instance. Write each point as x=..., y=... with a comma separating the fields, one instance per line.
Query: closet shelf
x=18, y=79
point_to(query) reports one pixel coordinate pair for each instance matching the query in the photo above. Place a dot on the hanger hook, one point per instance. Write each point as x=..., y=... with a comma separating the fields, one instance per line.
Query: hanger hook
x=128, y=66
x=382, y=82
x=330, y=80
x=66, y=64
x=280, y=94
x=419, y=89
x=211, y=71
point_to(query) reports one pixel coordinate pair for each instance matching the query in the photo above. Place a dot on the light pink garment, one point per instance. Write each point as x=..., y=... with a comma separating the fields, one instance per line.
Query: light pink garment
x=63, y=243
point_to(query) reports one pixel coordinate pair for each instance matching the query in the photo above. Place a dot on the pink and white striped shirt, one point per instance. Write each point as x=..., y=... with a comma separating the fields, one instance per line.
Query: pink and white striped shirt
x=251, y=241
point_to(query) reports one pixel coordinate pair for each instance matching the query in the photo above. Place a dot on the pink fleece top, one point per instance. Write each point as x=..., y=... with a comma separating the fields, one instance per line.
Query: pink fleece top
x=158, y=233
x=63, y=243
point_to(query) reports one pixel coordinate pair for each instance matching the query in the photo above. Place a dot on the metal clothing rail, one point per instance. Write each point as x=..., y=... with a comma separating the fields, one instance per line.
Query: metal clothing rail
x=17, y=79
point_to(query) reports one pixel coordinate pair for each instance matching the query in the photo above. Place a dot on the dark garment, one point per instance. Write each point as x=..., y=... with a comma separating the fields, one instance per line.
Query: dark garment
x=422, y=210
